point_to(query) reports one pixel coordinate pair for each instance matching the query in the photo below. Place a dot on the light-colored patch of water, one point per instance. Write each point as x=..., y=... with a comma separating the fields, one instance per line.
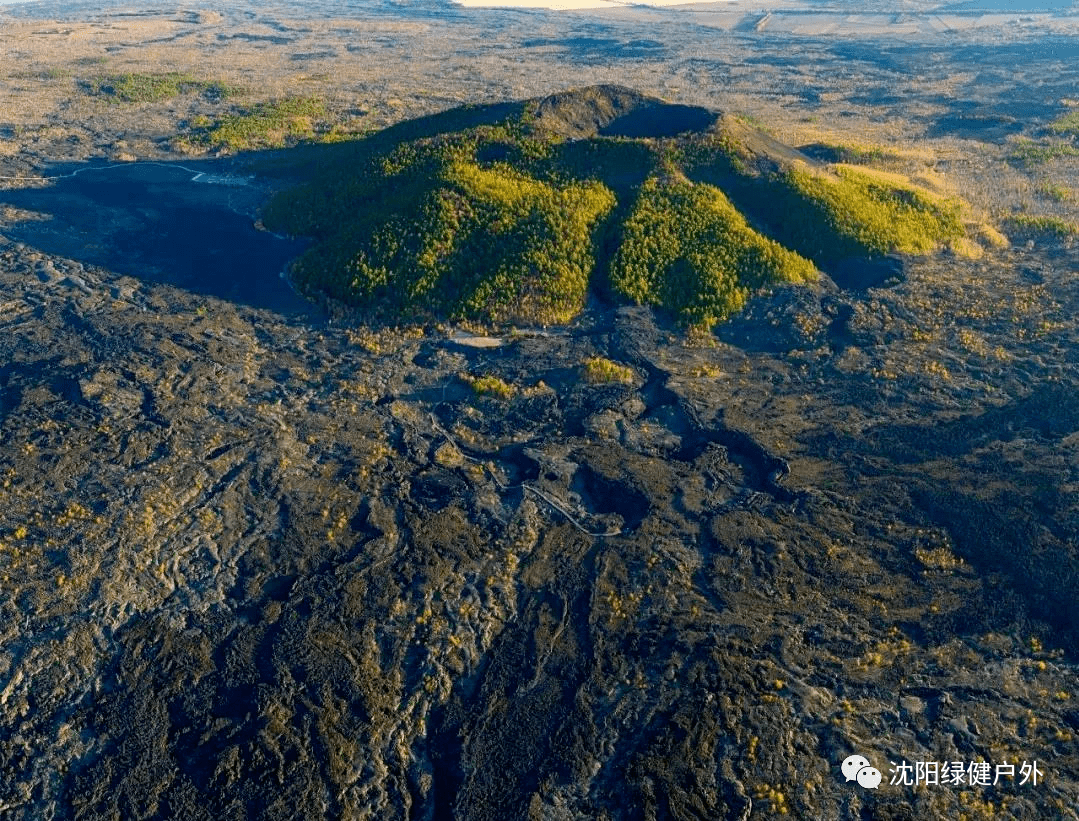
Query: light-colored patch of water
x=220, y=179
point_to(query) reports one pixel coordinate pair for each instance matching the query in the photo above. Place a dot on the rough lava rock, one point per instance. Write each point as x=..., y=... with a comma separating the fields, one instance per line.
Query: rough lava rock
x=257, y=569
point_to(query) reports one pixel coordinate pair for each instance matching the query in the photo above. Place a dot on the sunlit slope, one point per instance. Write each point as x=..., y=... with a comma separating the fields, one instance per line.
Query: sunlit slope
x=511, y=213
x=686, y=248
x=827, y=212
x=429, y=229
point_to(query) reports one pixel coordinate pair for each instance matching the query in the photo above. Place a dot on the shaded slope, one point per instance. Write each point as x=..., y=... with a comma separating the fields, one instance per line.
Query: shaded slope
x=613, y=111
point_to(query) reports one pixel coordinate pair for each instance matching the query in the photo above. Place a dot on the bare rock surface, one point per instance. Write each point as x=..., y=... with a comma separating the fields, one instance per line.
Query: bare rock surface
x=257, y=569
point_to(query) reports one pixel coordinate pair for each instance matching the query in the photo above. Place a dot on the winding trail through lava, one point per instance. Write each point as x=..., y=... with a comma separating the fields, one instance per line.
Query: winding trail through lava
x=216, y=179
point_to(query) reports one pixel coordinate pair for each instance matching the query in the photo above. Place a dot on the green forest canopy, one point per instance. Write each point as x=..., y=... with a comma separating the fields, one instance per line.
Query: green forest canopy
x=495, y=214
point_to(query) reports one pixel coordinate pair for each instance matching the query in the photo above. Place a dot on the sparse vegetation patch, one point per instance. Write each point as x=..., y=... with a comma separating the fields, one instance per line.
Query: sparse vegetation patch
x=1057, y=193
x=600, y=371
x=152, y=88
x=1066, y=124
x=265, y=125
x=490, y=385
x=1028, y=153
x=1022, y=224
